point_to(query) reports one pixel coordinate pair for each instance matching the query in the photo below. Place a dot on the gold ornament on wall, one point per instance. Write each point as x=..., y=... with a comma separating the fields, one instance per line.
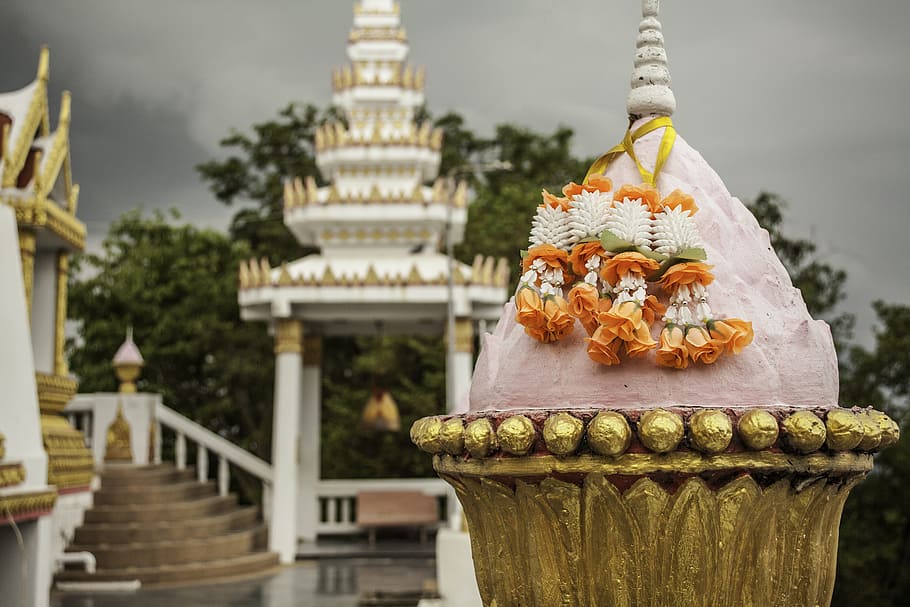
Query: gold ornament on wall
x=118, y=446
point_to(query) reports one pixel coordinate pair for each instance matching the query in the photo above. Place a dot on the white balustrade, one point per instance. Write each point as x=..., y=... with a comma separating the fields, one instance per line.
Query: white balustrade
x=180, y=451
x=224, y=477
x=202, y=464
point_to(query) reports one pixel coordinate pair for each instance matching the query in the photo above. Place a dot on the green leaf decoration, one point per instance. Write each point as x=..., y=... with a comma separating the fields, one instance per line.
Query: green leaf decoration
x=693, y=254
x=611, y=242
x=651, y=254
x=524, y=254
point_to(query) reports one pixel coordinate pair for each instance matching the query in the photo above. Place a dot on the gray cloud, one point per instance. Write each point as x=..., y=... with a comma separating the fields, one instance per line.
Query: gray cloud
x=801, y=98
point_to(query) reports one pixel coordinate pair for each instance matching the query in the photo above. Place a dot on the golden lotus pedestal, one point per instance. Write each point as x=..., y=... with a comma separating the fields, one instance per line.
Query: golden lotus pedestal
x=659, y=508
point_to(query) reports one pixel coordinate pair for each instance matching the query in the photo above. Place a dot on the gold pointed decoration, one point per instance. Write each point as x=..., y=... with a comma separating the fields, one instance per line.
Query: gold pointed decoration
x=488, y=269
x=265, y=272
x=502, y=272
x=477, y=268
x=414, y=277
x=244, y=275
x=289, y=201
x=300, y=197
x=285, y=280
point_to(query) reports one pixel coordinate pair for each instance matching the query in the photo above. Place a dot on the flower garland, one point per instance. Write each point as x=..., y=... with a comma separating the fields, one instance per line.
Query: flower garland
x=593, y=254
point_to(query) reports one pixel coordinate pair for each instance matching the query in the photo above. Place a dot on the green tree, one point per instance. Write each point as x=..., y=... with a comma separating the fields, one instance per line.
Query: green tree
x=176, y=285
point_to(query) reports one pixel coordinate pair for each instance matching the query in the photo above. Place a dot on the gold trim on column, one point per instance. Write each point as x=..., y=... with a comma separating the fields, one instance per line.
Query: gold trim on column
x=2, y=446
x=54, y=392
x=27, y=504
x=27, y=253
x=312, y=351
x=61, y=367
x=11, y=474
x=288, y=336
x=464, y=335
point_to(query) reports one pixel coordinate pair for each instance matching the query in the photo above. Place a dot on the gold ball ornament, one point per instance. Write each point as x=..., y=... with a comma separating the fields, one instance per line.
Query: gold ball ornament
x=872, y=432
x=516, y=435
x=711, y=431
x=758, y=429
x=479, y=438
x=430, y=437
x=804, y=432
x=891, y=432
x=844, y=429
x=660, y=430
x=451, y=436
x=562, y=433
x=417, y=429
x=609, y=434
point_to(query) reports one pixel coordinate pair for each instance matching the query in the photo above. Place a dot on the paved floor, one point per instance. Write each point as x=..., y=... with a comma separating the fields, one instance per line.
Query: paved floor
x=329, y=583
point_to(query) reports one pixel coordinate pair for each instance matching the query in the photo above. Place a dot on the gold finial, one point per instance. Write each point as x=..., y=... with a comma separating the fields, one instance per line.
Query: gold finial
x=609, y=434
x=451, y=436
x=489, y=267
x=711, y=431
x=516, y=435
x=844, y=430
x=243, y=275
x=284, y=279
x=44, y=64
x=562, y=433
x=758, y=429
x=300, y=193
x=66, y=100
x=312, y=191
x=477, y=268
x=290, y=200
x=460, y=199
x=479, y=438
x=804, y=432
x=119, y=446
x=436, y=139
x=320, y=139
x=265, y=272
x=660, y=430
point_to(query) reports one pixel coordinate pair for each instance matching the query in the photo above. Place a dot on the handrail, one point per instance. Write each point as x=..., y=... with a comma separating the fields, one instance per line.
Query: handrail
x=211, y=441
x=350, y=487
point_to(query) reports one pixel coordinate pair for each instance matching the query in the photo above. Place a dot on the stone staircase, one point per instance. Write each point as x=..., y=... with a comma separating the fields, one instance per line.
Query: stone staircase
x=159, y=525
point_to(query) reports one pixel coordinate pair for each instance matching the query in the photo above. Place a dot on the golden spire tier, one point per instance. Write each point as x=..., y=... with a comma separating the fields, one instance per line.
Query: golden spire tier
x=36, y=180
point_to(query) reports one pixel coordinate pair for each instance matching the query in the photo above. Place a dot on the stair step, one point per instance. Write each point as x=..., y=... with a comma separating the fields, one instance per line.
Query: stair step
x=125, y=533
x=176, y=552
x=144, y=513
x=126, y=495
x=143, y=476
x=172, y=574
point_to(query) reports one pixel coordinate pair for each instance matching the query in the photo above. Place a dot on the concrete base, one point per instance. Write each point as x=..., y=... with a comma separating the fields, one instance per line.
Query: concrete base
x=455, y=570
x=25, y=576
x=69, y=513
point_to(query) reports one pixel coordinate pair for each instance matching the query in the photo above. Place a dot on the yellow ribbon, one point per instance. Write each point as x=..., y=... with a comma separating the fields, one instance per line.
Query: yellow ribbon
x=628, y=147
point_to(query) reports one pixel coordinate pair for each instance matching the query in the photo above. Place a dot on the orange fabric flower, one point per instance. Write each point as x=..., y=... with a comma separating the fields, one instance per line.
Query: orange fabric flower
x=529, y=308
x=647, y=193
x=672, y=353
x=678, y=198
x=559, y=322
x=583, y=300
x=555, y=201
x=553, y=257
x=600, y=183
x=603, y=347
x=701, y=347
x=641, y=342
x=627, y=263
x=622, y=320
x=652, y=310
x=581, y=253
x=732, y=333
x=686, y=273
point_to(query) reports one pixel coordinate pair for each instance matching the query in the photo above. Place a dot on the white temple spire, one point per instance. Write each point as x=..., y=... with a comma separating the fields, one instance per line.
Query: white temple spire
x=651, y=94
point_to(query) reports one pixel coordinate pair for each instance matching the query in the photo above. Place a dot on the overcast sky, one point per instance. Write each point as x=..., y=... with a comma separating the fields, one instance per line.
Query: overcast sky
x=806, y=99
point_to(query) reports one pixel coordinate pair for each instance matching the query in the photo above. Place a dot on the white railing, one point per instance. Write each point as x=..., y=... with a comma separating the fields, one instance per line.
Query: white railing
x=338, y=498
x=208, y=442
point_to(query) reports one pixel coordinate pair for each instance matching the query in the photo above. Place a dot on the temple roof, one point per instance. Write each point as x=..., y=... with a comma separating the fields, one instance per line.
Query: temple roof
x=35, y=171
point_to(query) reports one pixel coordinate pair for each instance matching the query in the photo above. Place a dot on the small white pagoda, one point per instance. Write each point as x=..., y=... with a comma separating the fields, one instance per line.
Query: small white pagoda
x=380, y=231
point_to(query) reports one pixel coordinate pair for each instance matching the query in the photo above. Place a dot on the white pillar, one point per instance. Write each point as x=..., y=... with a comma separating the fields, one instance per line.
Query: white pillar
x=308, y=471
x=286, y=412
x=460, y=366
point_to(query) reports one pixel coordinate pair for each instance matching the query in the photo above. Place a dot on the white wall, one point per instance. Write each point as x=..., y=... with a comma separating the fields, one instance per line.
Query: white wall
x=44, y=310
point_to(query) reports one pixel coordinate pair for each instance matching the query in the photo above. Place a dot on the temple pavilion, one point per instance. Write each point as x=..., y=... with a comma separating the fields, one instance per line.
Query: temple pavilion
x=380, y=225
